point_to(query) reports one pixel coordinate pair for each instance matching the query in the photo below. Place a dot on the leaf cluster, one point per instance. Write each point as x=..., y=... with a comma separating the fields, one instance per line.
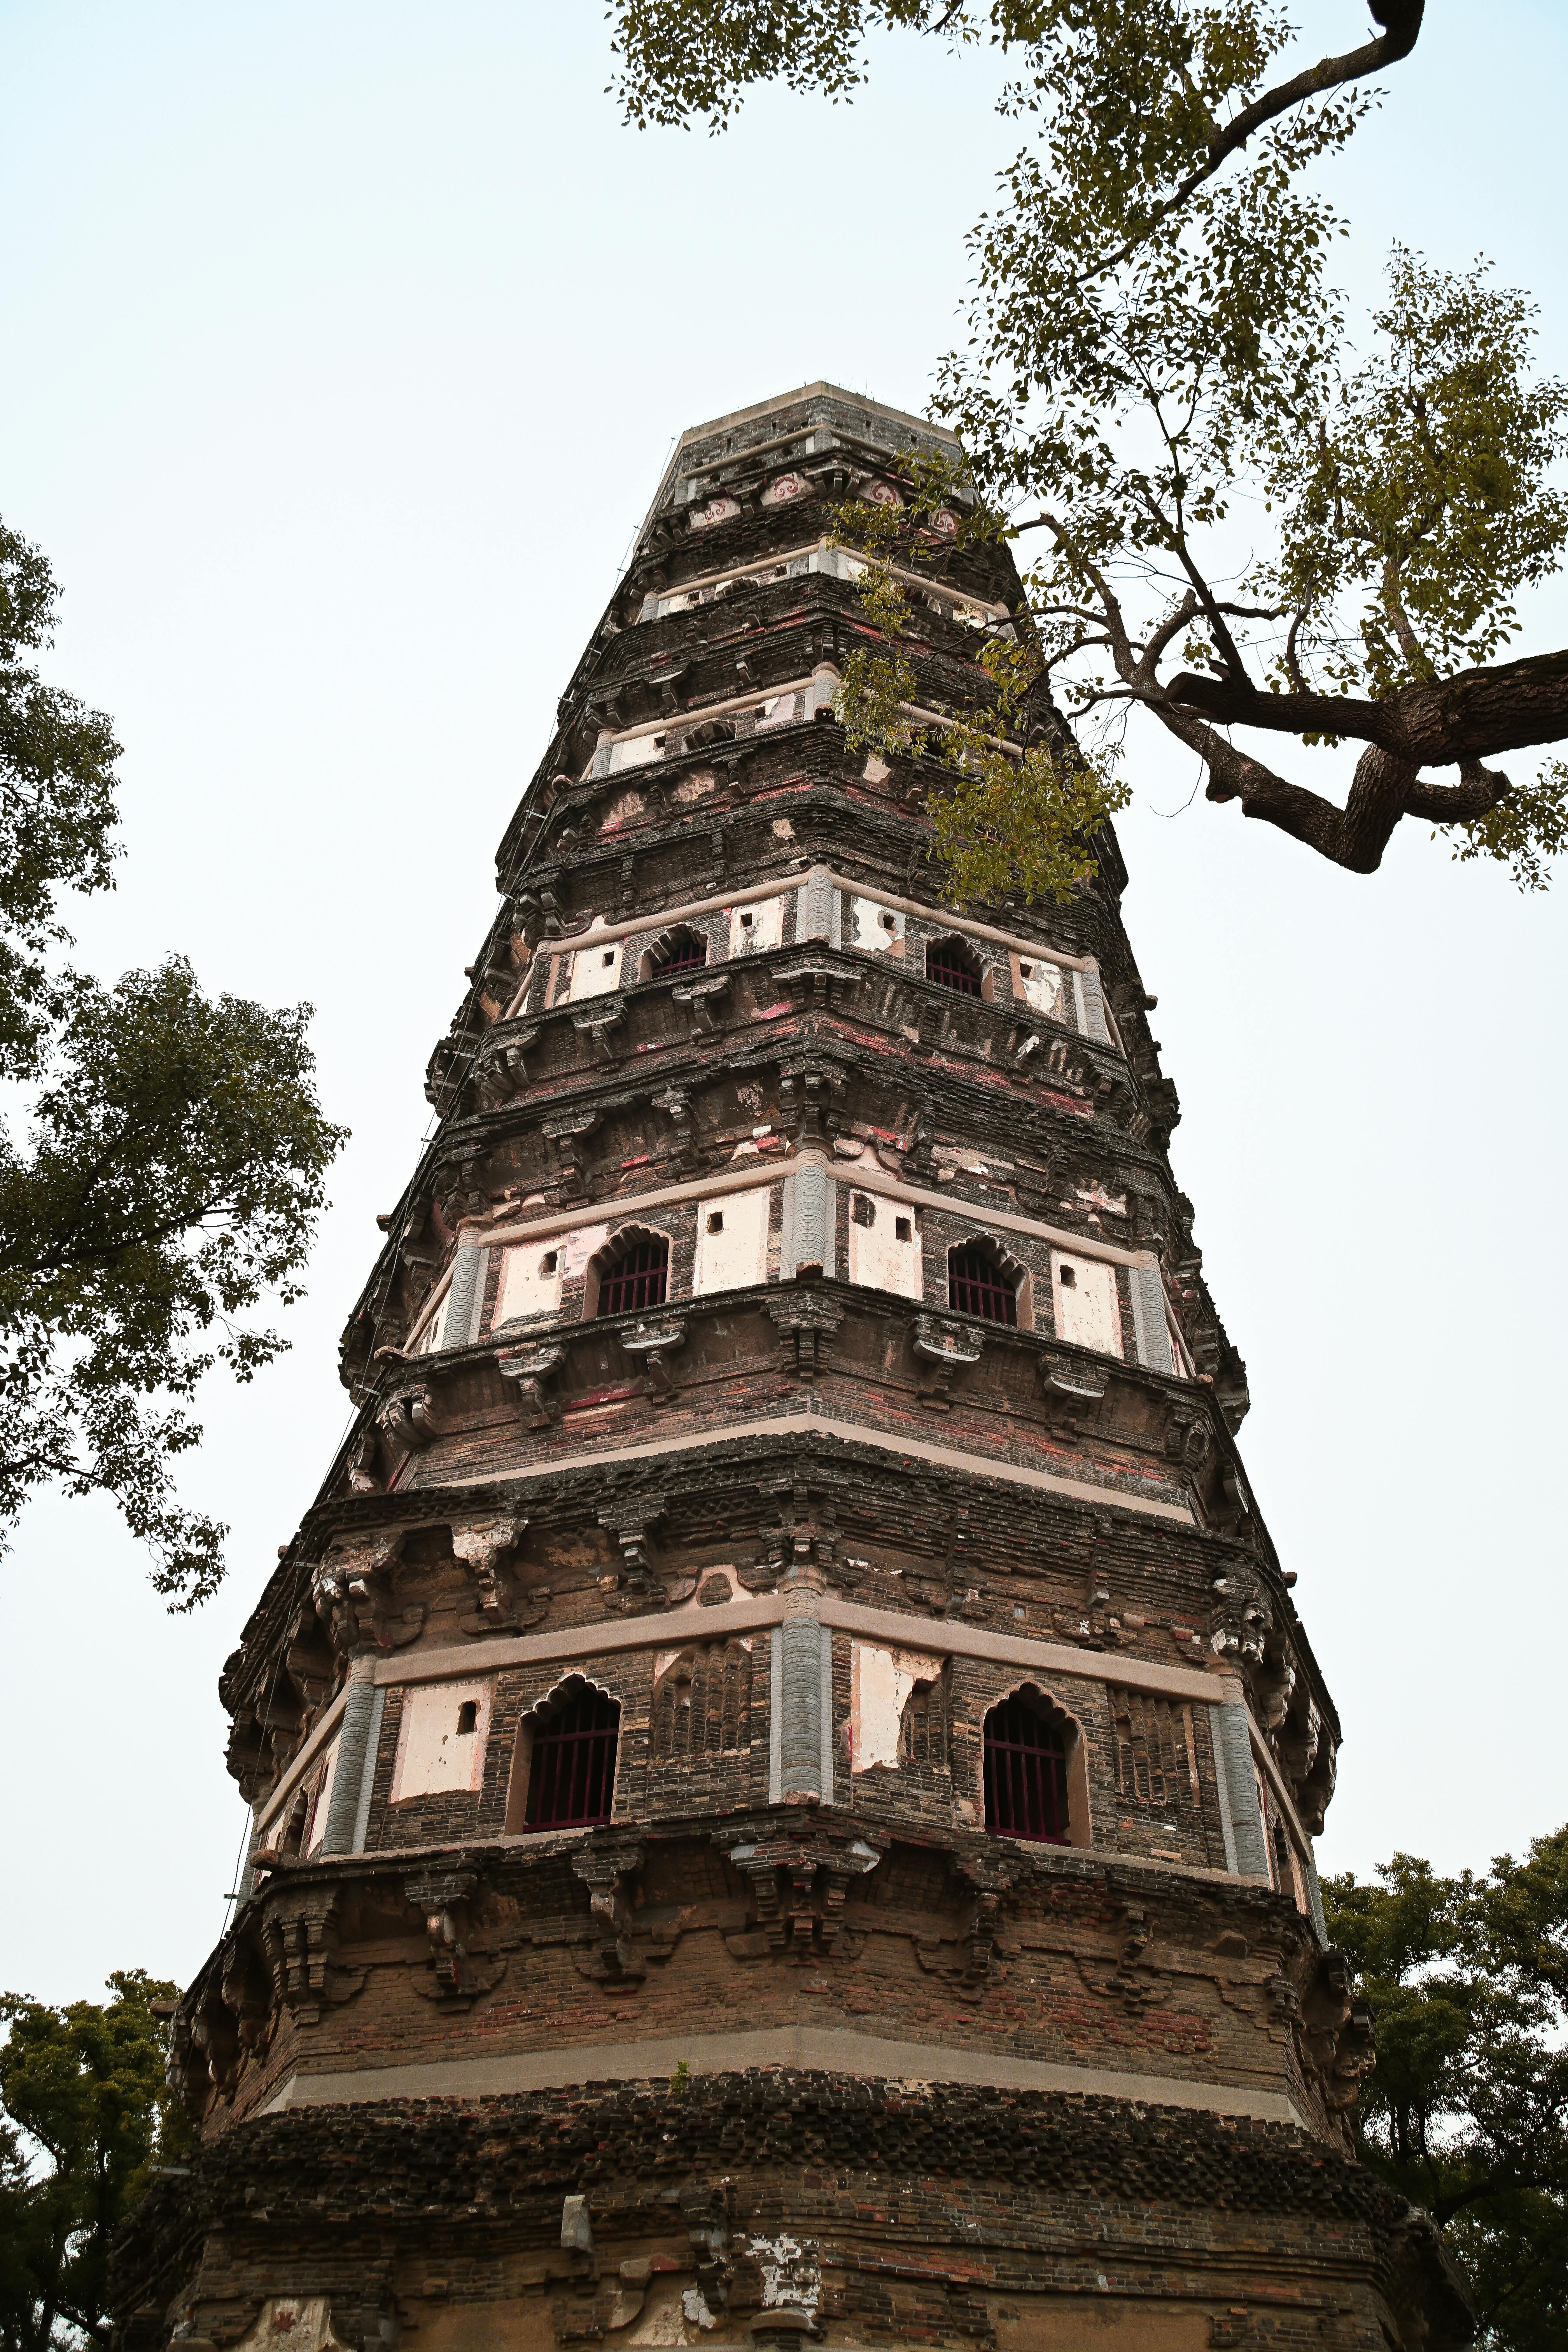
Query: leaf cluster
x=1159, y=380
x=1467, y=2111
x=166, y=1170
x=1021, y=804
x=1422, y=491
x=85, y=2115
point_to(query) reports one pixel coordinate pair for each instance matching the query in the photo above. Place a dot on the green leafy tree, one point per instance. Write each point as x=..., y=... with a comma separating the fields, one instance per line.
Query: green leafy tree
x=165, y=1172
x=85, y=2115
x=1235, y=521
x=1467, y=2110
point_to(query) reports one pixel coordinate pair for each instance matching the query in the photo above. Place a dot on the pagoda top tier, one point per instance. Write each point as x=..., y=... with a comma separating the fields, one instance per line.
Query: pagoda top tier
x=813, y=418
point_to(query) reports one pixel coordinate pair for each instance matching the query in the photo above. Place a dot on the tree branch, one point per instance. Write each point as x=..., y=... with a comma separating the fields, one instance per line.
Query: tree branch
x=1401, y=22
x=1474, y=715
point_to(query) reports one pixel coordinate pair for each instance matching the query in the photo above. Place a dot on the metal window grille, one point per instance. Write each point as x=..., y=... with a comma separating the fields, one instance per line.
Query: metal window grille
x=571, y=1772
x=948, y=964
x=638, y=1278
x=977, y=1286
x=686, y=953
x=1026, y=1775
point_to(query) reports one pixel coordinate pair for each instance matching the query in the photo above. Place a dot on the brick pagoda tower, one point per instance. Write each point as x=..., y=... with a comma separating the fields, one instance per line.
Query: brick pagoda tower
x=784, y=1763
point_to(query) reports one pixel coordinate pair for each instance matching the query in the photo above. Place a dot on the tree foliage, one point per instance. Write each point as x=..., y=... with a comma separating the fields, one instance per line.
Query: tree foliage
x=166, y=1170
x=1467, y=2110
x=85, y=2115
x=1244, y=521
x=1022, y=804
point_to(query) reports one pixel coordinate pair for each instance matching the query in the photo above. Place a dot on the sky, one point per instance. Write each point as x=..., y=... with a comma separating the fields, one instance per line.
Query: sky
x=343, y=346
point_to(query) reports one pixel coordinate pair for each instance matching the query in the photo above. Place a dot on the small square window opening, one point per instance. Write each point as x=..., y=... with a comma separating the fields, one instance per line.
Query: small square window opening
x=468, y=1715
x=608, y=958
x=716, y=1222
x=1026, y=971
x=549, y=1262
x=903, y=1229
x=1069, y=1278
x=886, y=921
x=747, y=919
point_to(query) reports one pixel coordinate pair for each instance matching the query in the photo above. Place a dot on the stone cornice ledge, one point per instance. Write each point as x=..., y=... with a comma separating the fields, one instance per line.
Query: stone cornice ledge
x=671, y=1629
x=820, y=2049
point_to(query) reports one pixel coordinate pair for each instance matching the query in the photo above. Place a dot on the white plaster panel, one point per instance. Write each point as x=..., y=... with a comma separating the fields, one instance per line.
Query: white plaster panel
x=738, y=1253
x=758, y=926
x=875, y=928
x=1040, y=985
x=878, y=1257
x=880, y=1683
x=634, y=751
x=1083, y=1296
x=315, y=1827
x=433, y=1755
x=530, y=1281
x=578, y=1246
x=595, y=970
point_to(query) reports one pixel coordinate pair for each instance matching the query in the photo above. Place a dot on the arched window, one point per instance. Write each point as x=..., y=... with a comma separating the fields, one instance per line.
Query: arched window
x=636, y=1274
x=953, y=964
x=978, y=1285
x=681, y=950
x=1026, y=1772
x=570, y=1761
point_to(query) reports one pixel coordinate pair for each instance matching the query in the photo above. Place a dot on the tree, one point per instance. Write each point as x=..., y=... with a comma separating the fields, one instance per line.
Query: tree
x=85, y=2115
x=1467, y=2111
x=1241, y=525
x=171, y=1171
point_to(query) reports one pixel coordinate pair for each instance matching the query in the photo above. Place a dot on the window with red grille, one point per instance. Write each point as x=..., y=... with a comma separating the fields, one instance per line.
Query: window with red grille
x=1026, y=1775
x=685, y=952
x=572, y=1771
x=977, y=1286
x=949, y=962
x=638, y=1278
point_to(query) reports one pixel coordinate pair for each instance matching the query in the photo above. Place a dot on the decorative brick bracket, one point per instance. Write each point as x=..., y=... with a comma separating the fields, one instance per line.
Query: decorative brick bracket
x=609, y=1870
x=807, y=1323
x=299, y=1937
x=408, y=1418
x=455, y=1977
x=944, y=1349
x=532, y=1370
x=703, y=1001
x=483, y=1546
x=647, y=1344
x=597, y=1023
x=353, y=1590
x=632, y=1523
x=675, y=1105
x=563, y=1135
x=799, y=1877
x=502, y=1068
x=817, y=980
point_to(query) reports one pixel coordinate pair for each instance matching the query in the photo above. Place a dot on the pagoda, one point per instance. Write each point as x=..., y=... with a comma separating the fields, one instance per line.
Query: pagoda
x=784, y=1763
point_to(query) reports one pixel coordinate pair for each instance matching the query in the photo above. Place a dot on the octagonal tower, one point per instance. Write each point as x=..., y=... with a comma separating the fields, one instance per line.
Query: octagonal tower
x=785, y=1762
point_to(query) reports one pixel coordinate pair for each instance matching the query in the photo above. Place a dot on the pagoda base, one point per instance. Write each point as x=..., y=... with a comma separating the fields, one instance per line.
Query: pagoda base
x=742, y=2210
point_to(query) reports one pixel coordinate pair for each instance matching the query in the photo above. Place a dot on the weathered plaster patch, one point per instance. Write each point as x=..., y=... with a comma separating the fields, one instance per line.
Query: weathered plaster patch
x=880, y=1682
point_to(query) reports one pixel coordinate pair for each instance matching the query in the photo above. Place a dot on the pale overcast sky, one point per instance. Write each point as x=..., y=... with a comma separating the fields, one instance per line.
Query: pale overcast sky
x=344, y=345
